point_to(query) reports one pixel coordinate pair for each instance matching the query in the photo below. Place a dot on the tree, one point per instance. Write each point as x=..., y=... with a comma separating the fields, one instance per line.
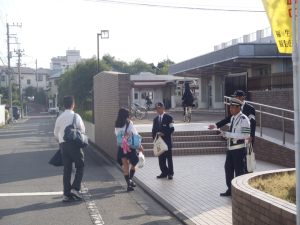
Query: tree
x=39, y=95
x=163, y=66
x=78, y=82
x=139, y=66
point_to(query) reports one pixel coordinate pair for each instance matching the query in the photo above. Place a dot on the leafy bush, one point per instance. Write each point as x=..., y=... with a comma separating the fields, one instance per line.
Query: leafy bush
x=86, y=115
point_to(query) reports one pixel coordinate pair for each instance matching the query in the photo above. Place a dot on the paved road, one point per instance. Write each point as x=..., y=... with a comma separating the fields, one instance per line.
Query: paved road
x=30, y=189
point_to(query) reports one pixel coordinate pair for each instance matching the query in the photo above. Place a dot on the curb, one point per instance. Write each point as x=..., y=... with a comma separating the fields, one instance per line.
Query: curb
x=93, y=149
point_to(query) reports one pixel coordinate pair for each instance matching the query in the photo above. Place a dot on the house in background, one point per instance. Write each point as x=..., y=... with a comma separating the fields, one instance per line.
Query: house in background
x=29, y=77
x=159, y=88
x=251, y=63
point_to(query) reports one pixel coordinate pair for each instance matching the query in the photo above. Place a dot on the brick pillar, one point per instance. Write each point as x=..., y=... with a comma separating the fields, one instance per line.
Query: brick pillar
x=111, y=91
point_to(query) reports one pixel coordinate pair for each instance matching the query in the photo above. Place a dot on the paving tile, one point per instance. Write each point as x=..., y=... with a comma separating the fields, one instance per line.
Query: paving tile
x=195, y=189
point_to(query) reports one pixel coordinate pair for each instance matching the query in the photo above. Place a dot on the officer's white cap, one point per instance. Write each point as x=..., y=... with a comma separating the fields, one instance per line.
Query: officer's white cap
x=235, y=102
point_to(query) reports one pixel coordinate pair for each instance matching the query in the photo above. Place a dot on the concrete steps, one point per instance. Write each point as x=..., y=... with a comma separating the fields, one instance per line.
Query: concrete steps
x=190, y=143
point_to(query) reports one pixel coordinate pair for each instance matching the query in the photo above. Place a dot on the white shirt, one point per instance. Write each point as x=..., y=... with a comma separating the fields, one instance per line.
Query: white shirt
x=64, y=120
x=160, y=117
x=131, y=129
x=240, y=127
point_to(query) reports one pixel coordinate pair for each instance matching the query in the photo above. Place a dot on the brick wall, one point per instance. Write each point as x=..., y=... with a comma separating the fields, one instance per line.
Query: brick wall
x=274, y=153
x=111, y=91
x=253, y=207
x=277, y=98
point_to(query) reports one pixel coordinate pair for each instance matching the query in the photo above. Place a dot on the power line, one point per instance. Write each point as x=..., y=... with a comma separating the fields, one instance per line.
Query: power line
x=2, y=61
x=178, y=7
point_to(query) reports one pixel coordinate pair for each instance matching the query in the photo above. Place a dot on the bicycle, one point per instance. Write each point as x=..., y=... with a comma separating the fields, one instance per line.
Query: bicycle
x=187, y=114
x=138, y=111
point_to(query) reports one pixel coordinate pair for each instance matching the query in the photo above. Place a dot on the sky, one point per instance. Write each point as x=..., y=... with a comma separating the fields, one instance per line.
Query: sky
x=152, y=34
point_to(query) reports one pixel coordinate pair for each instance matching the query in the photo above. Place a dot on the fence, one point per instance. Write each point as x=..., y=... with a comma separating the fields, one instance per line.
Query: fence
x=278, y=114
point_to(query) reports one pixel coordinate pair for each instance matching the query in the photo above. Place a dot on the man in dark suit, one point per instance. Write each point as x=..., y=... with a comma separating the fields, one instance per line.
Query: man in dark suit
x=163, y=125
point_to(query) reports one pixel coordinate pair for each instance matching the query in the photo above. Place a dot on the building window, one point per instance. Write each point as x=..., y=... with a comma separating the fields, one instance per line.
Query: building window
x=148, y=93
x=3, y=78
x=40, y=77
x=262, y=71
x=28, y=82
x=136, y=95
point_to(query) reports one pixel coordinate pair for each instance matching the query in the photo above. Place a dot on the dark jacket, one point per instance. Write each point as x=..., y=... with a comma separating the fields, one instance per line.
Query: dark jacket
x=249, y=111
x=166, y=128
x=187, y=99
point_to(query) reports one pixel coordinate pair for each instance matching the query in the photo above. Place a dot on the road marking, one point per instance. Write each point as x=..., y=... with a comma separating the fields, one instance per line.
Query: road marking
x=31, y=194
x=91, y=206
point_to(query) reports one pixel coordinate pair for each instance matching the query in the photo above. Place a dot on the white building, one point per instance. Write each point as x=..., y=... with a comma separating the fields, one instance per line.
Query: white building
x=58, y=66
x=159, y=88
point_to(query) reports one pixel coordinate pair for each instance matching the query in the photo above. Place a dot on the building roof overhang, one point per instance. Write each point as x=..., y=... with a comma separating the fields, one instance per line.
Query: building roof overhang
x=234, y=59
x=156, y=84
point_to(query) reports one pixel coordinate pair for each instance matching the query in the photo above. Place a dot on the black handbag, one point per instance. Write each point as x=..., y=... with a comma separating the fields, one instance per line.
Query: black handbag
x=74, y=135
x=56, y=160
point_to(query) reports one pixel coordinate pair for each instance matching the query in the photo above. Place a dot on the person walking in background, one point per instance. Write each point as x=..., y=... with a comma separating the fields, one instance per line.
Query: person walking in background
x=238, y=133
x=187, y=98
x=163, y=125
x=70, y=152
x=126, y=156
x=148, y=102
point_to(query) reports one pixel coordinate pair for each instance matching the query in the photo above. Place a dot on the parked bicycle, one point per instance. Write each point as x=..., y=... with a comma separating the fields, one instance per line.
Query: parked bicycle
x=138, y=111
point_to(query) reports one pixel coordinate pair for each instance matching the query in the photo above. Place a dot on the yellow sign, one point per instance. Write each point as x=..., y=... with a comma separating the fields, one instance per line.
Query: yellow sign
x=280, y=16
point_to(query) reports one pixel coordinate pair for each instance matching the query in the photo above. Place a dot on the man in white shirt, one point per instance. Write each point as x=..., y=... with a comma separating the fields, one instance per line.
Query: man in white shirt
x=70, y=152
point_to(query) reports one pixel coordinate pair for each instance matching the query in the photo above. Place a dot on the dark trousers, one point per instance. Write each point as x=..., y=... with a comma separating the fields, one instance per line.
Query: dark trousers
x=164, y=158
x=234, y=165
x=70, y=154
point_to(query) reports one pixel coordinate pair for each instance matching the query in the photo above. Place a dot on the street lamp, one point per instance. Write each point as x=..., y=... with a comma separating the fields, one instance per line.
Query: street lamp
x=104, y=35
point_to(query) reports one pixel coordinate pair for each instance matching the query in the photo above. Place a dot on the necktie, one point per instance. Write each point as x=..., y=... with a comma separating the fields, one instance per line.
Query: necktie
x=159, y=121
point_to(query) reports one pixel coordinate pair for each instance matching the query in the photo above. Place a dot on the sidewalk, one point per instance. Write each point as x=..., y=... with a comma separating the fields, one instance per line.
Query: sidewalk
x=193, y=194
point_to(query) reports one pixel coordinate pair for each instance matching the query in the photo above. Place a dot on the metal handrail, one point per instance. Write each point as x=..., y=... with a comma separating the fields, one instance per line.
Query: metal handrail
x=261, y=112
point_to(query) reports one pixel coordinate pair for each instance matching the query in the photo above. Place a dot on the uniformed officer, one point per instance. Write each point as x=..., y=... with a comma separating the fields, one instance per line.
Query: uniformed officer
x=238, y=133
x=163, y=125
x=249, y=111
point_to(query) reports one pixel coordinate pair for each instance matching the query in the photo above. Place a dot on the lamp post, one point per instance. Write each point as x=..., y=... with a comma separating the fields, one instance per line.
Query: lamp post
x=104, y=34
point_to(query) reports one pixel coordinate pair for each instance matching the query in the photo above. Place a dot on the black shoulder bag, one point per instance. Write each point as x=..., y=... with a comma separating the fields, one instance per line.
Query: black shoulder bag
x=74, y=135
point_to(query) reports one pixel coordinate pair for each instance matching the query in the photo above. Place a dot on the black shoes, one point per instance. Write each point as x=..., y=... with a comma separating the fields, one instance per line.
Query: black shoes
x=170, y=177
x=161, y=176
x=130, y=188
x=132, y=183
x=226, y=194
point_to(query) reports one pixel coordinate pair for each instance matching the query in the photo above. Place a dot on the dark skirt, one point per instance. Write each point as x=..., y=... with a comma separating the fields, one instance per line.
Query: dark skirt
x=131, y=156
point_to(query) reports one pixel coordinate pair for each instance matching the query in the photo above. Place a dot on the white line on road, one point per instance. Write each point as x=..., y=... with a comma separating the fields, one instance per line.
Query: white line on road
x=31, y=194
x=91, y=206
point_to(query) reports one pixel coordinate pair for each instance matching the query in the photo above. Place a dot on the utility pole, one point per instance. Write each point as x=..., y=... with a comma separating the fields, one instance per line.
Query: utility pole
x=9, y=72
x=36, y=76
x=19, y=54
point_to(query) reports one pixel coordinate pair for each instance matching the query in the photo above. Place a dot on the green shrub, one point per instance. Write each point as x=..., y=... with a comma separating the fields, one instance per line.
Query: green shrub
x=86, y=115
